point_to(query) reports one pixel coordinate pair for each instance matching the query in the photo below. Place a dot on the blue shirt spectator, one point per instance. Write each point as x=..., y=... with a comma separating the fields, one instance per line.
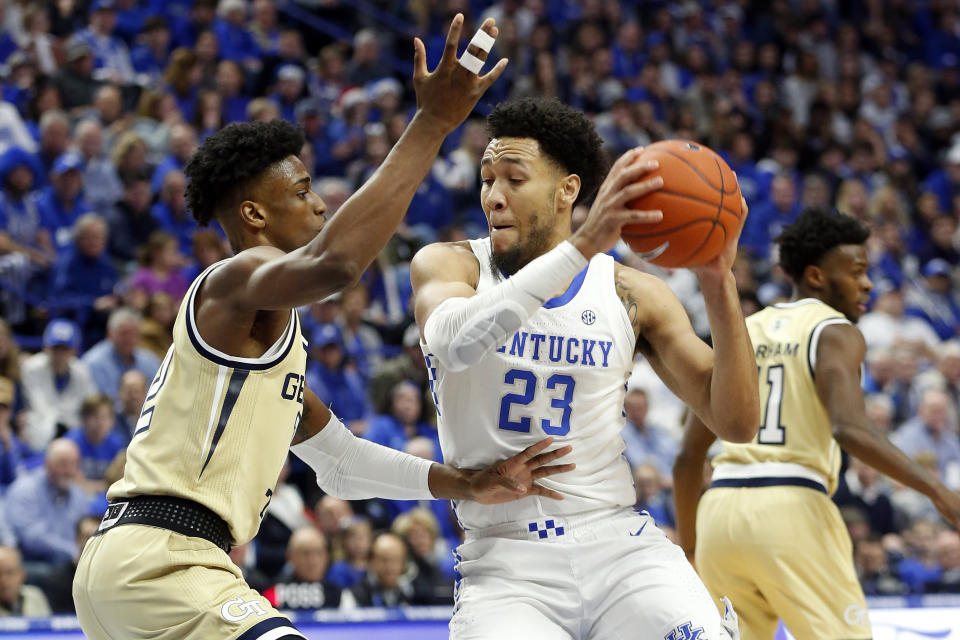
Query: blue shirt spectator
x=932, y=299
x=236, y=42
x=44, y=505
x=84, y=271
x=62, y=202
x=403, y=423
x=98, y=441
x=149, y=58
x=110, y=55
x=118, y=353
x=930, y=433
x=171, y=211
x=12, y=451
x=335, y=382
x=646, y=443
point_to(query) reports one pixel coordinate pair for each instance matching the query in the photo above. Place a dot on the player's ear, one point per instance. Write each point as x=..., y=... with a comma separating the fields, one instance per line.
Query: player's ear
x=814, y=276
x=569, y=189
x=251, y=214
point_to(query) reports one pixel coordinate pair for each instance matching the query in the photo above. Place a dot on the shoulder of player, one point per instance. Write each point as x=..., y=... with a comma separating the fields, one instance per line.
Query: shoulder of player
x=637, y=285
x=841, y=340
x=445, y=261
x=227, y=281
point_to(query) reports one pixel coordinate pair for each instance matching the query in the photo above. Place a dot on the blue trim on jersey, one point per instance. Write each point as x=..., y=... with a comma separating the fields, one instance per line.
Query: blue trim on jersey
x=769, y=482
x=237, y=378
x=569, y=294
x=257, y=630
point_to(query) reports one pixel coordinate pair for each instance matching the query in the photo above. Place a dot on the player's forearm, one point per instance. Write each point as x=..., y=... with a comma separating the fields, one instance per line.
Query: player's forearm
x=355, y=235
x=874, y=449
x=687, y=481
x=734, y=404
x=450, y=483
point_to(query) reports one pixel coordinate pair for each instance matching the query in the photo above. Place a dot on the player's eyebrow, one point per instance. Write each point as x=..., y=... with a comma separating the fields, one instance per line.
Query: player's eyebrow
x=304, y=179
x=517, y=161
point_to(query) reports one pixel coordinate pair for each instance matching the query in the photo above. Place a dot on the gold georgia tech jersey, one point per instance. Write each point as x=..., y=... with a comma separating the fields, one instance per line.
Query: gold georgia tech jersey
x=215, y=428
x=794, y=426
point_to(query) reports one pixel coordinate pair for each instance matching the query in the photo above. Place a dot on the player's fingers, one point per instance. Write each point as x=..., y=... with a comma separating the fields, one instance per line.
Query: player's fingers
x=543, y=472
x=550, y=456
x=453, y=37
x=491, y=30
x=632, y=216
x=744, y=209
x=634, y=190
x=419, y=59
x=493, y=74
x=634, y=173
x=537, y=490
x=626, y=159
x=533, y=450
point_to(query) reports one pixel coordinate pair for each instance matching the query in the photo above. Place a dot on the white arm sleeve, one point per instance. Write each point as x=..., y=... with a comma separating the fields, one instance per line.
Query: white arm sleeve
x=461, y=331
x=352, y=468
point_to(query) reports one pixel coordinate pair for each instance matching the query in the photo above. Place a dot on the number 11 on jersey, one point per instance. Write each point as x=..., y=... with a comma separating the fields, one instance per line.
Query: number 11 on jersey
x=771, y=431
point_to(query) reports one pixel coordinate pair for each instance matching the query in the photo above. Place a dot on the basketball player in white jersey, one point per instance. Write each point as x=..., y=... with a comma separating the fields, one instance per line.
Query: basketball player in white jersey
x=229, y=396
x=766, y=534
x=532, y=332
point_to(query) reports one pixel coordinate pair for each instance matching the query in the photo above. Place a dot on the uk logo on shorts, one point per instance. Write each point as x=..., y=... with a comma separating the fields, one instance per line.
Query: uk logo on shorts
x=685, y=632
x=239, y=609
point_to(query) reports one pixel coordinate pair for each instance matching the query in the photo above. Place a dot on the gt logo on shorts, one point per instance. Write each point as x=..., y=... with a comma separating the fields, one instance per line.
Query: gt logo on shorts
x=685, y=632
x=243, y=609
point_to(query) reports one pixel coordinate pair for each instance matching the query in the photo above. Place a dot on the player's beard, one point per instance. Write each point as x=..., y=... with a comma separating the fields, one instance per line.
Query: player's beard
x=531, y=246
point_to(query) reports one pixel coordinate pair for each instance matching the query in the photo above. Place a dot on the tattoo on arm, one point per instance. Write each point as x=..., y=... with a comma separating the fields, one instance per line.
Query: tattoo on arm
x=630, y=305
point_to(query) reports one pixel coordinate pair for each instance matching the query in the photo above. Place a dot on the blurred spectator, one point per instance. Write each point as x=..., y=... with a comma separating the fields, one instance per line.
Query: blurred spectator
x=946, y=374
x=876, y=575
x=933, y=431
x=160, y=264
x=58, y=585
x=183, y=142
x=236, y=42
x=386, y=583
x=920, y=565
x=55, y=383
x=13, y=451
x=21, y=228
x=863, y=487
x=285, y=514
x=931, y=299
x=356, y=548
x=208, y=248
x=17, y=598
x=181, y=77
x=289, y=88
x=886, y=325
x=110, y=358
x=101, y=186
x=130, y=221
x=156, y=328
x=767, y=219
x=98, y=441
x=945, y=183
x=84, y=275
x=646, y=443
x=948, y=556
x=156, y=113
x=43, y=506
x=430, y=553
x=111, y=57
x=361, y=341
x=229, y=84
x=408, y=365
x=130, y=398
x=171, y=210
x=333, y=514
x=149, y=58
x=61, y=203
x=365, y=66
x=651, y=495
x=302, y=585
x=335, y=381
x=404, y=421
x=75, y=81
x=129, y=155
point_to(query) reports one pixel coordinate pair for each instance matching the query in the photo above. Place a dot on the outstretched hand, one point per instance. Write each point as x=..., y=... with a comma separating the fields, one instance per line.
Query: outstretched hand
x=516, y=477
x=450, y=92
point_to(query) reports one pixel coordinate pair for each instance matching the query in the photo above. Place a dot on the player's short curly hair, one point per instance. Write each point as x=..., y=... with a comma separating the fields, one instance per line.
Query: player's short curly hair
x=564, y=134
x=232, y=158
x=813, y=235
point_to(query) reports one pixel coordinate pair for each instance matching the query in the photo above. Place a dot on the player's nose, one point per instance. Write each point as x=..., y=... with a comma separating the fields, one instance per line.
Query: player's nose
x=495, y=199
x=319, y=207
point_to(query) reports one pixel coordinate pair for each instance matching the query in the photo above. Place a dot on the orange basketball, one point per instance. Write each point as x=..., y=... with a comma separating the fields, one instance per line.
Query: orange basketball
x=700, y=200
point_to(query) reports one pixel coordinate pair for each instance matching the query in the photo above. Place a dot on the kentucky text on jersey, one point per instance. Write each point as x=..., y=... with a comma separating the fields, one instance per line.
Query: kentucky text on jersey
x=569, y=349
x=778, y=349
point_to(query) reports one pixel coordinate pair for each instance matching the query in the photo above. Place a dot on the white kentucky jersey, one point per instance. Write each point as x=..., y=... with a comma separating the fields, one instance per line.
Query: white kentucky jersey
x=563, y=374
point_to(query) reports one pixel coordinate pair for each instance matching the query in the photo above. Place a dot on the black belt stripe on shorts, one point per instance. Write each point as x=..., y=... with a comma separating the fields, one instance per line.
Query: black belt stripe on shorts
x=769, y=482
x=166, y=512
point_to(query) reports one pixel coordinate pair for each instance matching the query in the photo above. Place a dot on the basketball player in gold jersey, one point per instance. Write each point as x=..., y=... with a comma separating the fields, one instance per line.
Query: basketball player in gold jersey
x=229, y=397
x=766, y=533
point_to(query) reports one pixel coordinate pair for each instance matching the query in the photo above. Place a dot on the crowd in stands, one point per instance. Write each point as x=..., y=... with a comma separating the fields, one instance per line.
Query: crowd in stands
x=850, y=105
